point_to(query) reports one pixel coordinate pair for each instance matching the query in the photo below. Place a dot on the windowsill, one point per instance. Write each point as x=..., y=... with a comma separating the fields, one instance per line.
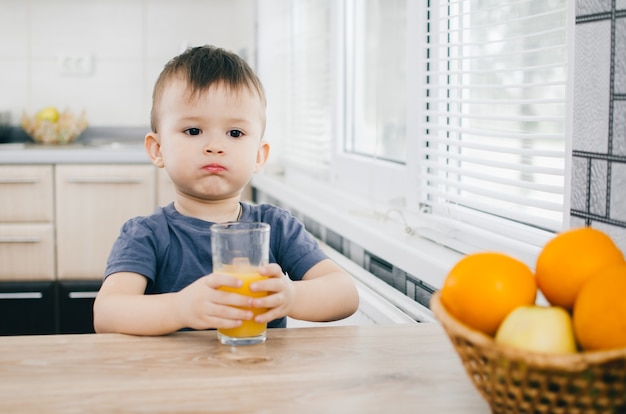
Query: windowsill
x=383, y=236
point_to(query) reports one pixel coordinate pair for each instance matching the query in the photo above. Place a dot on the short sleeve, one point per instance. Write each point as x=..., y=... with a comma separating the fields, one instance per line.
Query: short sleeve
x=295, y=250
x=135, y=250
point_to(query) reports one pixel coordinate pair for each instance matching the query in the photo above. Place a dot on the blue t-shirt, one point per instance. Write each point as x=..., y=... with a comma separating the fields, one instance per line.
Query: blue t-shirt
x=172, y=251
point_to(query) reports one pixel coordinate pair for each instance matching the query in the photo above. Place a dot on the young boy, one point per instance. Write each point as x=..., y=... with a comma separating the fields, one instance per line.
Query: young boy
x=208, y=120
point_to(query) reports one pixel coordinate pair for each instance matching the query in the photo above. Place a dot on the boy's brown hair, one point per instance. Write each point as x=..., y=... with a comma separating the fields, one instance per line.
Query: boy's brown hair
x=202, y=67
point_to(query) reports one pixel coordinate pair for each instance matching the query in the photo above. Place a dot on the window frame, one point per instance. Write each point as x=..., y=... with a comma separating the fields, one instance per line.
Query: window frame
x=400, y=185
x=362, y=174
x=380, y=187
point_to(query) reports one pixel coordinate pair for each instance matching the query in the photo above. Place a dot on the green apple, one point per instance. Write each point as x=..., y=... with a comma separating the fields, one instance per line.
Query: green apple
x=50, y=114
x=538, y=328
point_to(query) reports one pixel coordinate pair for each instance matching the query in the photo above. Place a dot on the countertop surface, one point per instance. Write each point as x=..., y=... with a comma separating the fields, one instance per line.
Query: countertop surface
x=332, y=369
x=107, y=152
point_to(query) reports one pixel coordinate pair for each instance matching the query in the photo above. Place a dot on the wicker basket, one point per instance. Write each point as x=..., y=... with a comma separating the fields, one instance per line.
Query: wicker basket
x=518, y=381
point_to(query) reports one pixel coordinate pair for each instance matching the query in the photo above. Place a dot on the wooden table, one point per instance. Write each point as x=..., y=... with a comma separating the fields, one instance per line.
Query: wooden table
x=391, y=369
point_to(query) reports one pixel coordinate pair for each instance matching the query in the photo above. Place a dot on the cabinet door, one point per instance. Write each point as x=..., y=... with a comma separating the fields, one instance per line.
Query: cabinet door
x=92, y=203
x=26, y=193
x=165, y=188
x=26, y=251
x=27, y=308
x=76, y=306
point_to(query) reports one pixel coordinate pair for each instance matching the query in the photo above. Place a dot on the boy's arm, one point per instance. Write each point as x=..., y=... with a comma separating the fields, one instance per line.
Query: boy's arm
x=325, y=293
x=121, y=306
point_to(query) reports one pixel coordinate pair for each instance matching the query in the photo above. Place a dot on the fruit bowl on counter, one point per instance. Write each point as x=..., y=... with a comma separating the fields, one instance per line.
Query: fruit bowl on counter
x=518, y=381
x=49, y=126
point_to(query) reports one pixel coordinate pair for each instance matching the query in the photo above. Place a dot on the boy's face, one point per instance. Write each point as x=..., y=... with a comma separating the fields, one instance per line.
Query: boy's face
x=210, y=144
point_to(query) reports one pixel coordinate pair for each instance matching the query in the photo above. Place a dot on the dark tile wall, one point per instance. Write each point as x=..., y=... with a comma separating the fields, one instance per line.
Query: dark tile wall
x=598, y=186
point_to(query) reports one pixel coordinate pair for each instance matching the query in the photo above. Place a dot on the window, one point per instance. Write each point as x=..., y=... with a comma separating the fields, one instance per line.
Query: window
x=296, y=66
x=496, y=111
x=451, y=112
x=376, y=79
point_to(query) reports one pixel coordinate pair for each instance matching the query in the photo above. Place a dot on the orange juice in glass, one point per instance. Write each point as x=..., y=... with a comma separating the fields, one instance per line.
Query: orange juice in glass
x=239, y=249
x=248, y=328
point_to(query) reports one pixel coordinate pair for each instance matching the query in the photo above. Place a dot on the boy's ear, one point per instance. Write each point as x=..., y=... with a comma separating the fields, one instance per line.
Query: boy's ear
x=153, y=148
x=261, y=155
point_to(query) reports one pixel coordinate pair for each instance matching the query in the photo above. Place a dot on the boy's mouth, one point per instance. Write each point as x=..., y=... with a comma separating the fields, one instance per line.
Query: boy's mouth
x=214, y=168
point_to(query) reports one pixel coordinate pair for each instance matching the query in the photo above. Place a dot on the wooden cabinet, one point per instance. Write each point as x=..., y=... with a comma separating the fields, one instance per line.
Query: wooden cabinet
x=75, y=305
x=59, y=222
x=26, y=222
x=92, y=203
x=26, y=193
x=57, y=226
x=26, y=251
x=165, y=188
x=28, y=308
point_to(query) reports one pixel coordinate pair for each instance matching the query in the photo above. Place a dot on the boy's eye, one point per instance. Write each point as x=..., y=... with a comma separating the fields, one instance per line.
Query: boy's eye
x=235, y=133
x=193, y=131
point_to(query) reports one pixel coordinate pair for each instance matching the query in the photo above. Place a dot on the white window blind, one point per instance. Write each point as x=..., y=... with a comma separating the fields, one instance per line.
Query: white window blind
x=274, y=70
x=376, y=101
x=463, y=133
x=311, y=85
x=494, y=144
x=296, y=67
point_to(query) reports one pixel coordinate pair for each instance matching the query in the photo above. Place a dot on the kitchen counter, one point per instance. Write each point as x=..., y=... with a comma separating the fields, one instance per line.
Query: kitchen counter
x=105, y=152
x=332, y=369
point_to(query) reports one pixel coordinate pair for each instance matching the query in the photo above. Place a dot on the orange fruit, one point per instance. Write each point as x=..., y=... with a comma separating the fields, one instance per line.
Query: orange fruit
x=569, y=259
x=483, y=288
x=600, y=310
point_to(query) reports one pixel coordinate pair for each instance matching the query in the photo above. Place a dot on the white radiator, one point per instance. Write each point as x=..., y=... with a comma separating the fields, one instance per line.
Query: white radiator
x=379, y=302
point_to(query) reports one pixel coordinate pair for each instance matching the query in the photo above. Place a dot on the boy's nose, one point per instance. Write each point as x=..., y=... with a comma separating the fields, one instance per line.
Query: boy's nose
x=213, y=147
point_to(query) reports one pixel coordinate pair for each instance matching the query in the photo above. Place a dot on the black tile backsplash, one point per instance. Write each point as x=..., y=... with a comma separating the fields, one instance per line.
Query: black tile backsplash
x=598, y=186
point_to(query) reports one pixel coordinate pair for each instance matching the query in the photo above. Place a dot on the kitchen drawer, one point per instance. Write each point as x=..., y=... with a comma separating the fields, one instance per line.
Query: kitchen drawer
x=26, y=252
x=92, y=204
x=28, y=308
x=76, y=306
x=26, y=193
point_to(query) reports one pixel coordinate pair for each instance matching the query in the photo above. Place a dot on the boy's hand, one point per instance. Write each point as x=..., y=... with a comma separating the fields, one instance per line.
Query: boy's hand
x=281, y=294
x=201, y=305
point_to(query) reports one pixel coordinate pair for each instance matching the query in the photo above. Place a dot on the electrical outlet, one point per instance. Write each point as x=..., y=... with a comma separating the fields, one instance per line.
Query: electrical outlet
x=76, y=64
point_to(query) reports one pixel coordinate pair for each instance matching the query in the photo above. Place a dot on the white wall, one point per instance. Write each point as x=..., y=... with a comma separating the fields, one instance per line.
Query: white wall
x=128, y=40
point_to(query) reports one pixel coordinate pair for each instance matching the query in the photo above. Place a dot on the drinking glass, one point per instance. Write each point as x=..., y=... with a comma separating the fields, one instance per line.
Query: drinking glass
x=239, y=249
